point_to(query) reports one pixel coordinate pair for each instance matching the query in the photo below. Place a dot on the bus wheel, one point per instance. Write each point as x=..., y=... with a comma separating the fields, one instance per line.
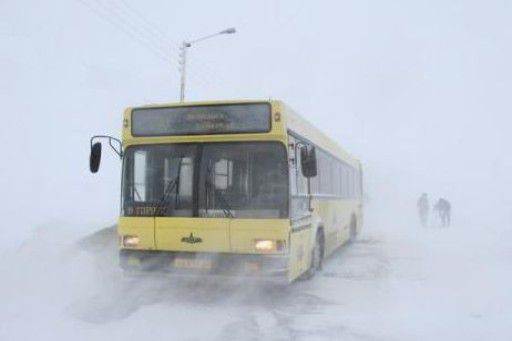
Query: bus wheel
x=316, y=257
x=353, y=230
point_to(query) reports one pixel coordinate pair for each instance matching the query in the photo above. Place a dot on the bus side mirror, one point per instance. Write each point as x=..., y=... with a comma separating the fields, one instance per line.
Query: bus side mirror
x=308, y=161
x=95, y=157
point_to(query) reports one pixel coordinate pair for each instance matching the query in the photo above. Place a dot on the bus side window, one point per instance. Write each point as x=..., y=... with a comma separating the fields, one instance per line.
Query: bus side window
x=352, y=182
x=338, y=179
x=343, y=180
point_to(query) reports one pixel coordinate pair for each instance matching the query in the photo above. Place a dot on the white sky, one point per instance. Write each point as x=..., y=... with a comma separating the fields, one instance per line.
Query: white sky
x=418, y=90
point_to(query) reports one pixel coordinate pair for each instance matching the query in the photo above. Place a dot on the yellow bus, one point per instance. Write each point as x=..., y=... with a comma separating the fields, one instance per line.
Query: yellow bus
x=231, y=188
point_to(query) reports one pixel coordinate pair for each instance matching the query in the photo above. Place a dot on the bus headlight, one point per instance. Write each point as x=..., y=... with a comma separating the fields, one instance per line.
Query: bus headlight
x=265, y=245
x=130, y=241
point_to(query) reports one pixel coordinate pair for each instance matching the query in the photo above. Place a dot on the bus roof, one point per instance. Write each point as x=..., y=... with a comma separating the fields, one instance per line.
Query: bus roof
x=197, y=103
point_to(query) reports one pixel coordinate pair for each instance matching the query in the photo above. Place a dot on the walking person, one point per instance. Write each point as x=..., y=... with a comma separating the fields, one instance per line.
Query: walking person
x=423, y=209
x=444, y=209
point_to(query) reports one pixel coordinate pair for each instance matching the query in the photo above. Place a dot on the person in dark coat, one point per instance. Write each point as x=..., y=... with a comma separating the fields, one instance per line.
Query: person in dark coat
x=444, y=209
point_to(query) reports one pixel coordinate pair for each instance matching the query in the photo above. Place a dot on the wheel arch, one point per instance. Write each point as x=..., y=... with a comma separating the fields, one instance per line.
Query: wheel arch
x=354, y=227
x=353, y=220
x=320, y=232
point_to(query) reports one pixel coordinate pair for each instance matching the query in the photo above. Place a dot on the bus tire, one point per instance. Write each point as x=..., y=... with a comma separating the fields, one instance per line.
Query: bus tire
x=316, y=256
x=353, y=229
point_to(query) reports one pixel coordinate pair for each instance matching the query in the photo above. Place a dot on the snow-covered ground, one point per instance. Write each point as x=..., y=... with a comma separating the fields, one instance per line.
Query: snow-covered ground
x=419, y=90
x=395, y=283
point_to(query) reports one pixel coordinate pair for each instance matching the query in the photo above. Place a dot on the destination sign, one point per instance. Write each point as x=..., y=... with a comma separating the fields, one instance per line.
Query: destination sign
x=201, y=120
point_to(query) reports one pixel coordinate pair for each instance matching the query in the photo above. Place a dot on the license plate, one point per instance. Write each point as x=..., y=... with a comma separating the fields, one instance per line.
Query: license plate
x=133, y=261
x=252, y=267
x=184, y=263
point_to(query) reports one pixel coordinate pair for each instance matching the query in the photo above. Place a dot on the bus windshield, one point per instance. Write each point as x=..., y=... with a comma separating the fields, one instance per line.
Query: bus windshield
x=235, y=180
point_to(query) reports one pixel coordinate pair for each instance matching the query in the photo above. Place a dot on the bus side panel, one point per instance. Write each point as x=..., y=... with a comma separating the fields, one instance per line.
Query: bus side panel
x=344, y=209
x=300, y=252
x=244, y=232
x=331, y=215
x=335, y=216
x=142, y=227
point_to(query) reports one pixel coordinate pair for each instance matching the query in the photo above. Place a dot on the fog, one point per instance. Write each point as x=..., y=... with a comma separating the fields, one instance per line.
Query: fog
x=418, y=91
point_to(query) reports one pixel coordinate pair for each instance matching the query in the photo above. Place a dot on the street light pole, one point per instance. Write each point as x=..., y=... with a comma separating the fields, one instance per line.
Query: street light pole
x=183, y=57
x=183, y=68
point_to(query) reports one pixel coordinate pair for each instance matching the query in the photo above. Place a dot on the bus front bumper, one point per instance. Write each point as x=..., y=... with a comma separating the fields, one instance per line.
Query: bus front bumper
x=189, y=263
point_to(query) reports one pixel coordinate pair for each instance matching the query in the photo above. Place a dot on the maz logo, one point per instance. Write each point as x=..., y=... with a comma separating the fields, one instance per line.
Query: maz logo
x=191, y=239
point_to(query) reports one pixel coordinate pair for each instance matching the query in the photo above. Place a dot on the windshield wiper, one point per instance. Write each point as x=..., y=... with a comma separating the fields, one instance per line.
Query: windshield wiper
x=161, y=207
x=134, y=192
x=226, y=208
x=172, y=186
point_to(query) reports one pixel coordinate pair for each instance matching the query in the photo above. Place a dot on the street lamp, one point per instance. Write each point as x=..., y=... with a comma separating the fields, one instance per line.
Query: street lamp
x=183, y=56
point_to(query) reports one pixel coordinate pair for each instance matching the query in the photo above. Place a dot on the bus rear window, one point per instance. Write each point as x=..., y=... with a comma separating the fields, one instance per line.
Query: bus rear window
x=201, y=120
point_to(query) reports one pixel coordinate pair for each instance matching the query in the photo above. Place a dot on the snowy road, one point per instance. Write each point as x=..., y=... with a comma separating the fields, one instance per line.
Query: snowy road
x=402, y=284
